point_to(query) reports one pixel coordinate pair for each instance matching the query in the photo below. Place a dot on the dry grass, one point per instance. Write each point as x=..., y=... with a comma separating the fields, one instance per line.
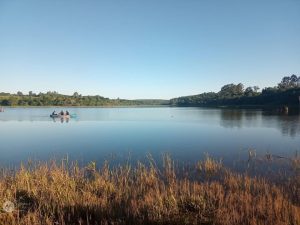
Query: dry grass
x=208, y=193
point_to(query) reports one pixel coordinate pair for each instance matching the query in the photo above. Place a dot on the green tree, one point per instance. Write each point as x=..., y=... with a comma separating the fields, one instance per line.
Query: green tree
x=289, y=82
x=231, y=90
x=249, y=91
x=6, y=102
x=76, y=95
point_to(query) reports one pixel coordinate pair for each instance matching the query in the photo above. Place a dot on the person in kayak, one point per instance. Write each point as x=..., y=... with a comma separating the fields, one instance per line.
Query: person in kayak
x=67, y=113
x=54, y=113
x=61, y=112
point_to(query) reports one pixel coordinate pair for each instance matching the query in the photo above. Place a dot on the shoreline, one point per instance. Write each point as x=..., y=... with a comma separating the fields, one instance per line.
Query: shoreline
x=167, y=106
x=206, y=192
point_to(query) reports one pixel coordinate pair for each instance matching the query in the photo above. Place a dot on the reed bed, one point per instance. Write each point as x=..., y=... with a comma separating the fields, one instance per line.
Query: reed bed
x=206, y=193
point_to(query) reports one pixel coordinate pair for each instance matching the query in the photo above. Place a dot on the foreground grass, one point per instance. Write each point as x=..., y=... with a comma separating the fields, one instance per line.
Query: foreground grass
x=206, y=193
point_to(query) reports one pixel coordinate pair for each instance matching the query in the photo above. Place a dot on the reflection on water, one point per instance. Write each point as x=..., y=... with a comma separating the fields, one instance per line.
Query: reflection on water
x=62, y=120
x=287, y=122
x=232, y=118
x=186, y=133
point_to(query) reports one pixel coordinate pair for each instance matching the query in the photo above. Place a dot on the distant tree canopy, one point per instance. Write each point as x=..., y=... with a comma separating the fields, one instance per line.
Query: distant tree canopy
x=231, y=90
x=289, y=82
x=287, y=92
x=53, y=98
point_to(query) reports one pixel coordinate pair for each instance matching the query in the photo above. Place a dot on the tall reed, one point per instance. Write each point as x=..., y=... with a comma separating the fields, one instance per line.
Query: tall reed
x=206, y=193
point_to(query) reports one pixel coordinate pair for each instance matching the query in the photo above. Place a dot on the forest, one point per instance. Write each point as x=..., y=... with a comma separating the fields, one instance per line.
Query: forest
x=56, y=99
x=287, y=92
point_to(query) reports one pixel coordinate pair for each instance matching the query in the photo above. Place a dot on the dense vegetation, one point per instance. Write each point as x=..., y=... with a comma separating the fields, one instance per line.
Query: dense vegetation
x=56, y=99
x=206, y=193
x=287, y=92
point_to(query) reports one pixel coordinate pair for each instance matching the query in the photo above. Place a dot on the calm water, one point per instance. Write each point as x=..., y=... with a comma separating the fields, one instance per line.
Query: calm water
x=185, y=133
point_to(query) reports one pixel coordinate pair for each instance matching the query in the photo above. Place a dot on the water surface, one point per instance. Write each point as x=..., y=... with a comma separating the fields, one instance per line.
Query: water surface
x=186, y=133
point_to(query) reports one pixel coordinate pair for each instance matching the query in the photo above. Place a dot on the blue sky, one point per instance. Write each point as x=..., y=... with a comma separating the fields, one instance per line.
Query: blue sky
x=146, y=49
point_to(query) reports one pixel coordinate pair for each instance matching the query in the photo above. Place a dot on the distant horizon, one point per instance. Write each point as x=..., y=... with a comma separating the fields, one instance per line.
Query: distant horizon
x=70, y=94
x=146, y=49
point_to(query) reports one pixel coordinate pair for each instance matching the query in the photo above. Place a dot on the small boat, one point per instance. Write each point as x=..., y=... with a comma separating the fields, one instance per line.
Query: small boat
x=60, y=116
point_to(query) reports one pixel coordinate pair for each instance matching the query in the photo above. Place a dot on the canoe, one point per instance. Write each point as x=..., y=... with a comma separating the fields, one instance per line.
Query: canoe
x=60, y=116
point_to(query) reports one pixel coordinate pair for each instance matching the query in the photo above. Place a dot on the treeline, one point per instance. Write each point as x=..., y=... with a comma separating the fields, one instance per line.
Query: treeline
x=287, y=92
x=56, y=99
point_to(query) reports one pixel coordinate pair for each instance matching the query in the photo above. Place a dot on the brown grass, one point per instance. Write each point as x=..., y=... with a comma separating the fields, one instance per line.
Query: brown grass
x=207, y=193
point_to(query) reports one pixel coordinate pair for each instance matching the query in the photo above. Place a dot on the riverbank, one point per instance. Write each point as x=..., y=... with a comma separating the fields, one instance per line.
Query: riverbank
x=278, y=108
x=204, y=193
x=88, y=107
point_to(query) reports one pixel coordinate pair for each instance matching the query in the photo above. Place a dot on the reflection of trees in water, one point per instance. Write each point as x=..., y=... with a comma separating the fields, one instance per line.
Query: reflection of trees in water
x=287, y=122
x=290, y=129
x=231, y=118
x=290, y=125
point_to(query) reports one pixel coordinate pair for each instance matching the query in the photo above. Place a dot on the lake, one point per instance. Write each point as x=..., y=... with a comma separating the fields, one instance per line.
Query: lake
x=121, y=133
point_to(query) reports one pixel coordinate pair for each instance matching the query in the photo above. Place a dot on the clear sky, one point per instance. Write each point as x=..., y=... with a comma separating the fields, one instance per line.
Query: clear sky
x=146, y=48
